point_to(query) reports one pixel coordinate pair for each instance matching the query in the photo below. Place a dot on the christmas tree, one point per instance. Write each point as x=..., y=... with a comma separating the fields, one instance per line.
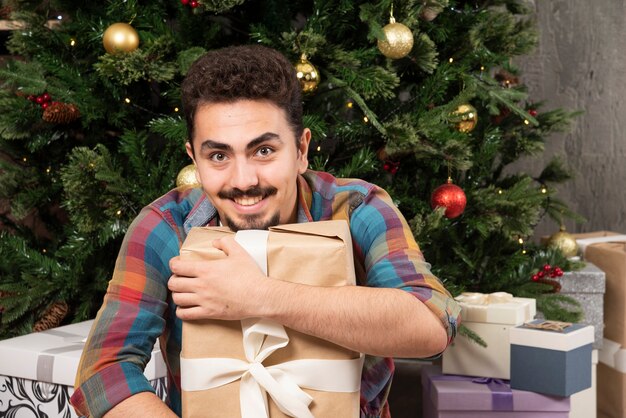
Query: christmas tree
x=419, y=97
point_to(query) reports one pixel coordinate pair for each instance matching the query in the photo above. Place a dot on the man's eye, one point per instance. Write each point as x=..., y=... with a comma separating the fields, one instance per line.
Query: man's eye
x=264, y=151
x=217, y=157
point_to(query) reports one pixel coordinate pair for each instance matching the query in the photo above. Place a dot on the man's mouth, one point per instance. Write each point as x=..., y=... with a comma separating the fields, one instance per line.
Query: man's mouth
x=248, y=197
x=248, y=201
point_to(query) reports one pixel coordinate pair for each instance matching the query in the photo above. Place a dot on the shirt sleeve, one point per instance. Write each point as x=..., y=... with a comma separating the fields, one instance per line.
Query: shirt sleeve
x=393, y=259
x=130, y=320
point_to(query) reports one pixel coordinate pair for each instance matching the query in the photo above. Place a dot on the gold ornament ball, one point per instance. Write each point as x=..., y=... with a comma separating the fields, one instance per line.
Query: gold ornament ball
x=564, y=241
x=120, y=37
x=398, y=40
x=187, y=178
x=465, y=118
x=307, y=74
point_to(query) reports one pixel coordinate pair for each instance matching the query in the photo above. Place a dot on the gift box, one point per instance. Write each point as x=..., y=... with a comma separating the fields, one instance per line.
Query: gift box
x=587, y=286
x=254, y=365
x=491, y=316
x=611, y=393
x=453, y=396
x=37, y=371
x=607, y=250
x=583, y=404
x=551, y=357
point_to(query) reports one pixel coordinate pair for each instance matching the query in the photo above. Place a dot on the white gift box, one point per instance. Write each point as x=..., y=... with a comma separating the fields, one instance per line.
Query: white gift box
x=611, y=392
x=583, y=404
x=490, y=316
x=37, y=371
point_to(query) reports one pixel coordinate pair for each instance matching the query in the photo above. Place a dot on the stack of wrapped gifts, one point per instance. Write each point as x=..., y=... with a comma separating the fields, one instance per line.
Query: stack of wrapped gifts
x=258, y=367
x=529, y=368
x=37, y=371
x=607, y=250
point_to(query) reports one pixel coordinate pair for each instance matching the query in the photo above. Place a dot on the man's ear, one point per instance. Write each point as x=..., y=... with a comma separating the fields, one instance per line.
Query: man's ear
x=303, y=150
x=190, y=151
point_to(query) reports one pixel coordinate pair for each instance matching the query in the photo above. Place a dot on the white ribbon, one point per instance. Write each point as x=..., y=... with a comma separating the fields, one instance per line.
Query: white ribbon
x=283, y=382
x=584, y=242
x=472, y=298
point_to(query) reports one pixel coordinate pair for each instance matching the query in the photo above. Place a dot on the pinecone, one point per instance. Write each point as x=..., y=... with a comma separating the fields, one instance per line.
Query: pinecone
x=61, y=113
x=52, y=317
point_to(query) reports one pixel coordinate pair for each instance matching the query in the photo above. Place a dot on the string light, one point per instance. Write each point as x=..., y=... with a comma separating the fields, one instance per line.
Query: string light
x=521, y=241
x=451, y=60
x=349, y=105
x=118, y=213
x=72, y=42
x=44, y=251
x=319, y=148
x=127, y=100
x=526, y=122
x=499, y=191
x=544, y=190
x=175, y=109
x=48, y=170
x=365, y=119
x=482, y=68
x=24, y=159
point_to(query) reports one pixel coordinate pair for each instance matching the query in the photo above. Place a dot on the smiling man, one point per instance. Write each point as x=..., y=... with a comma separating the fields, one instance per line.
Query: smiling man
x=244, y=116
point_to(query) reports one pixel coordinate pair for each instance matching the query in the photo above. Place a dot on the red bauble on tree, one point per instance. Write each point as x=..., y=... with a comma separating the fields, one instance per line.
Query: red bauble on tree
x=451, y=197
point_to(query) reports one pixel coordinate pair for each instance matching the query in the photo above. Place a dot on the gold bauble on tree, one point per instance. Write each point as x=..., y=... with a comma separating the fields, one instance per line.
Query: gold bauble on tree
x=564, y=241
x=307, y=74
x=120, y=37
x=187, y=177
x=398, y=40
x=465, y=118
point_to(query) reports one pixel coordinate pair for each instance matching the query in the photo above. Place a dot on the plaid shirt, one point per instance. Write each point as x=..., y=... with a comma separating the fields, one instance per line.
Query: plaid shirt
x=138, y=308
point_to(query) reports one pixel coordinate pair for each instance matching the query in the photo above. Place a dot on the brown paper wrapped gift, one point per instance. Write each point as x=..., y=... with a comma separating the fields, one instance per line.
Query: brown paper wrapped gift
x=610, y=257
x=317, y=253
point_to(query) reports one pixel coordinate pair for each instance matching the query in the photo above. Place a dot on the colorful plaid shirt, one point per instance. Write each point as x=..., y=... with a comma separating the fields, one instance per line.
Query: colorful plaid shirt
x=138, y=308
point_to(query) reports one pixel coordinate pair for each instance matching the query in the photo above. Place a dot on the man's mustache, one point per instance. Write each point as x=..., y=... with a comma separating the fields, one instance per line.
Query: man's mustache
x=255, y=191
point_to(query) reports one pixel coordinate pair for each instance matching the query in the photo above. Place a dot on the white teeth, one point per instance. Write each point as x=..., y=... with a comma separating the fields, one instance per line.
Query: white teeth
x=248, y=201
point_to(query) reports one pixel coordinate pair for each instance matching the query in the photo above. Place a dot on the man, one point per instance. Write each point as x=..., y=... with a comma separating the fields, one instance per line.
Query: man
x=244, y=115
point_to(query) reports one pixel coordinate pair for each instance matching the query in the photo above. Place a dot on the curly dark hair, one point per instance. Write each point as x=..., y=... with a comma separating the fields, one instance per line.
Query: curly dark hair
x=252, y=72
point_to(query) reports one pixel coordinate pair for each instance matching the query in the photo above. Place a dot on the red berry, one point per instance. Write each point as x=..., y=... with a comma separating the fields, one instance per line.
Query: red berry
x=559, y=272
x=533, y=112
x=184, y=2
x=552, y=274
x=535, y=277
x=39, y=99
x=31, y=97
x=45, y=105
x=194, y=3
x=46, y=97
x=540, y=273
x=394, y=170
x=547, y=267
x=386, y=166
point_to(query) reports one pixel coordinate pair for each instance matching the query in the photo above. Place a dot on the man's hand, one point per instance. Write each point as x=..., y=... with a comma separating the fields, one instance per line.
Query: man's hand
x=226, y=288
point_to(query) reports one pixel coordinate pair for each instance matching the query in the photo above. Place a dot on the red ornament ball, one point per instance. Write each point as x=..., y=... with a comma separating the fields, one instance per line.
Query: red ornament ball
x=194, y=3
x=533, y=112
x=46, y=97
x=451, y=197
x=44, y=105
x=184, y=2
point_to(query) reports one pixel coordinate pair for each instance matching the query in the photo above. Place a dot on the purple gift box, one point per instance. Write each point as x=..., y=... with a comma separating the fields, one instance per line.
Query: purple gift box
x=452, y=396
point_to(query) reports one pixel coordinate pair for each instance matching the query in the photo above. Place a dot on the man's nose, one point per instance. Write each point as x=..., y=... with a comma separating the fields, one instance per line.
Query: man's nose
x=244, y=175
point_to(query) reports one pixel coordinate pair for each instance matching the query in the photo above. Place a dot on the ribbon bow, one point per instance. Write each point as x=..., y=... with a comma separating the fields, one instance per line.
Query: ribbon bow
x=475, y=298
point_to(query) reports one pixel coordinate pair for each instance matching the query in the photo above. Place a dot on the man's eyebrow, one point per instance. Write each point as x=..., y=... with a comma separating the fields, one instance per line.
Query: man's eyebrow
x=210, y=144
x=267, y=136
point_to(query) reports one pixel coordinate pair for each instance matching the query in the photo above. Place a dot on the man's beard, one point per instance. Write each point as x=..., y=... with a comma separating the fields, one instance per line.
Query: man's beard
x=250, y=221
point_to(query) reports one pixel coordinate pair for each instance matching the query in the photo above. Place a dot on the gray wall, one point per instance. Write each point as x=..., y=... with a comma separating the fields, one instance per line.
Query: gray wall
x=580, y=63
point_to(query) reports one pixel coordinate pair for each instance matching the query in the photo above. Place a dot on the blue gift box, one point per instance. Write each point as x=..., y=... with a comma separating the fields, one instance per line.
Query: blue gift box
x=551, y=357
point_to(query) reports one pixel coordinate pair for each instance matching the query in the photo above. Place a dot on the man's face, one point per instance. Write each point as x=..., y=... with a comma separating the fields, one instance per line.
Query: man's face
x=248, y=162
